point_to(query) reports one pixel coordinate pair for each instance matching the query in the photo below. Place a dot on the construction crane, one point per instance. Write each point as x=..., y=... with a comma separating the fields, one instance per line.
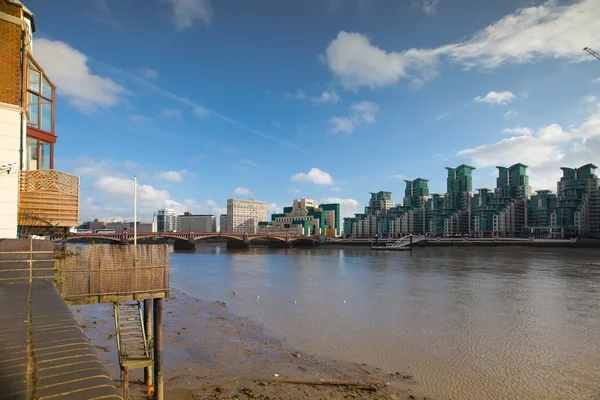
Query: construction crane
x=592, y=52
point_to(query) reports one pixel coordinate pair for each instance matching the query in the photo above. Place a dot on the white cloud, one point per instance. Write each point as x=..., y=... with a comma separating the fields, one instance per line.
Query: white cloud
x=171, y=112
x=547, y=31
x=73, y=77
x=186, y=12
x=341, y=125
x=498, y=98
x=511, y=113
x=148, y=73
x=273, y=208
x=243, y=192
x=597, y=80
x=336, y=189
x=315, y=175
x=545, y=150
x=356, y=62
x=442, y=116
x=590, y=99
x=363, y=111
x=211, y=203
x=219, y=210
x=172, y=176
x=519, y=131
x=360, y=112
x=294, y=190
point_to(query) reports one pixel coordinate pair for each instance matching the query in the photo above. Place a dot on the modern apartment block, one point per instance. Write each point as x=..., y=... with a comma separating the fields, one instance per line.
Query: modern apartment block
x=189, y=222
x=117, y=226
x=577, y=210
x=34, y=198
x=244, y=215
x=509, y=210
x=304, y=218
x=166, y=220
x=223, y=222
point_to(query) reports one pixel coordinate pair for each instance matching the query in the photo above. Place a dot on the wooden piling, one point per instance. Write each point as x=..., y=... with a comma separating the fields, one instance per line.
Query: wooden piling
x=158, y=375
x=148, y=328
x=126, y=383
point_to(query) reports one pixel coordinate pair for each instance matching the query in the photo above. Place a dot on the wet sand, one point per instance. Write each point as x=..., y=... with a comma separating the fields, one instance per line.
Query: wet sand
x=210, y=353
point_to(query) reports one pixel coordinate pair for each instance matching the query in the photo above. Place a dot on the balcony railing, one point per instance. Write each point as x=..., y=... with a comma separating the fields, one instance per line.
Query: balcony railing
x=52, y=196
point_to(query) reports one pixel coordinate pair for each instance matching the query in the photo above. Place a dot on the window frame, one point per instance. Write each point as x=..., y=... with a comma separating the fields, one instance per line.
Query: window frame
x=36, y=67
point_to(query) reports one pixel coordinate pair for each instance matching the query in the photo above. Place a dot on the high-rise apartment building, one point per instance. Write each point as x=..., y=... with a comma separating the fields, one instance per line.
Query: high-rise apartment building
x=244, y=215
x=189, y=222
x=223, y=222
x=166, y=220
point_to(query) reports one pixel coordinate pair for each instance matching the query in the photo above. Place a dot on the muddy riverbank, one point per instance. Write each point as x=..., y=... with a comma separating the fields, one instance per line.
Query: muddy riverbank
x=212, y=353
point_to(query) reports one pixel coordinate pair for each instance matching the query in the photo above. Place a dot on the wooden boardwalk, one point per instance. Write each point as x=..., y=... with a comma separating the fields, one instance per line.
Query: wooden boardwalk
x=44, y=354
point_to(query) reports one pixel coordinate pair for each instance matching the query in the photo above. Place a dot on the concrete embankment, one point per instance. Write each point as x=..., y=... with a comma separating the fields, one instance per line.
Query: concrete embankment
x=546, y=243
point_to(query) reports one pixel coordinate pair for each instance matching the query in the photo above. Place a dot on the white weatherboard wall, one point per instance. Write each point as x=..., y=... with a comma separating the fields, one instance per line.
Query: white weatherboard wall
x=10, y=143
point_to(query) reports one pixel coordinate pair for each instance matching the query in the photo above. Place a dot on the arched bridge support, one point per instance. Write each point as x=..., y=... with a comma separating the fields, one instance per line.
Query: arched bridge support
x=238, y=244
x=181, y=244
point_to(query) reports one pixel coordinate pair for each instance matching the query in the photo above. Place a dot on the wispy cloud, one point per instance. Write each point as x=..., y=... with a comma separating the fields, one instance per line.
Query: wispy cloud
x=148, y=73
x=511, y=113
x=187, y=12
x=590, y=99
x=551, y=30
x=360, y=112
x=327, y=96
x=442, y=116
x=171, y=112
x=197, y=108
x=519, y=131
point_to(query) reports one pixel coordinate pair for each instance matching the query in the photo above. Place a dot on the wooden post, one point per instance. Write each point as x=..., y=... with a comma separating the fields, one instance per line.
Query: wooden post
x=411, y=237
x=158, y=375
x=148, y=329
x=126, y=383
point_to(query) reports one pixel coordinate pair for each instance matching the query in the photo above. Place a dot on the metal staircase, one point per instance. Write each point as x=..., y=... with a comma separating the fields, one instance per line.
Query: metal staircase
x=132, y=344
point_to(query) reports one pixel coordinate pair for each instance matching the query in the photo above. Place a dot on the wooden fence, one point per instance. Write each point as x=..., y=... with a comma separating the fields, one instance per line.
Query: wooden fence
x=102, y=273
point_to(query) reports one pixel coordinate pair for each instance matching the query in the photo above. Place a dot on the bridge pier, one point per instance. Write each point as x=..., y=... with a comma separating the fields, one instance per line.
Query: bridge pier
x=234, y=244
x=276, y=244
x=304, y=243
x=183, y=245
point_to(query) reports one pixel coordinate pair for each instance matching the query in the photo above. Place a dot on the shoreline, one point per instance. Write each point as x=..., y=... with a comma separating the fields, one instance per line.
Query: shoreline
x=210, y=352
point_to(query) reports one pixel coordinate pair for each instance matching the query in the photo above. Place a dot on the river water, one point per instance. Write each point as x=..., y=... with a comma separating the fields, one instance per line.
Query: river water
x=476, y=323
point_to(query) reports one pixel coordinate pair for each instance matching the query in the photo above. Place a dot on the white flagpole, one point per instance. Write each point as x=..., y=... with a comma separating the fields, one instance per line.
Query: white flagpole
x=135, y=211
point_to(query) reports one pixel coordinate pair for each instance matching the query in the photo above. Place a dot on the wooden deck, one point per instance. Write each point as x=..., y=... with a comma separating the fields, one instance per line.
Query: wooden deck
x=52, y=196
x=104, y=273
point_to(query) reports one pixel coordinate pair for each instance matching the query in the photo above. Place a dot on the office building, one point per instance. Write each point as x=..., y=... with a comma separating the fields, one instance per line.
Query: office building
x=166, y=220
x=189, y=222
x=304, y=218
x=223, y=222
x=244, y=215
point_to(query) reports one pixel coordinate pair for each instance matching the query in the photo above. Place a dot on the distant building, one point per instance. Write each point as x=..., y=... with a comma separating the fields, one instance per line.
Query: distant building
x=117, y=226
x=166, y=220
x=304, y=217
x=223, y=222
x=244, y=215
x=189, y=222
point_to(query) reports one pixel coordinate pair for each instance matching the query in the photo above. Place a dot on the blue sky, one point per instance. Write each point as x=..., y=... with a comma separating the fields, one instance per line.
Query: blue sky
x=327, y=99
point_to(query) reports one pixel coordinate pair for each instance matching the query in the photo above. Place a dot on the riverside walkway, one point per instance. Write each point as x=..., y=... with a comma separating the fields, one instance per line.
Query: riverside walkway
x=44, y=354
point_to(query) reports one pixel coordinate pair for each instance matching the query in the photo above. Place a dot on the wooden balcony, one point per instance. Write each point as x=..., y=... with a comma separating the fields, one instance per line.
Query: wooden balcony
x=49, y=196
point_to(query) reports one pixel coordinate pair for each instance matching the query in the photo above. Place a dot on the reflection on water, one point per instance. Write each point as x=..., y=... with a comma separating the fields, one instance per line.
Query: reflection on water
x=466, y=323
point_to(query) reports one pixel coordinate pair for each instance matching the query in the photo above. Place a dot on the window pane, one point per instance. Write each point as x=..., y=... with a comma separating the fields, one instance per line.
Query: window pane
x=32, y=110
x=46, y=124
x=33, y=80
x=31, y=153
x=44, y=155
x=46, y=88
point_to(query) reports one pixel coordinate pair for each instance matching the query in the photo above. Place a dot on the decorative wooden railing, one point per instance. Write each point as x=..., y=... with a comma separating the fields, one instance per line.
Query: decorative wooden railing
x=49, y=194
